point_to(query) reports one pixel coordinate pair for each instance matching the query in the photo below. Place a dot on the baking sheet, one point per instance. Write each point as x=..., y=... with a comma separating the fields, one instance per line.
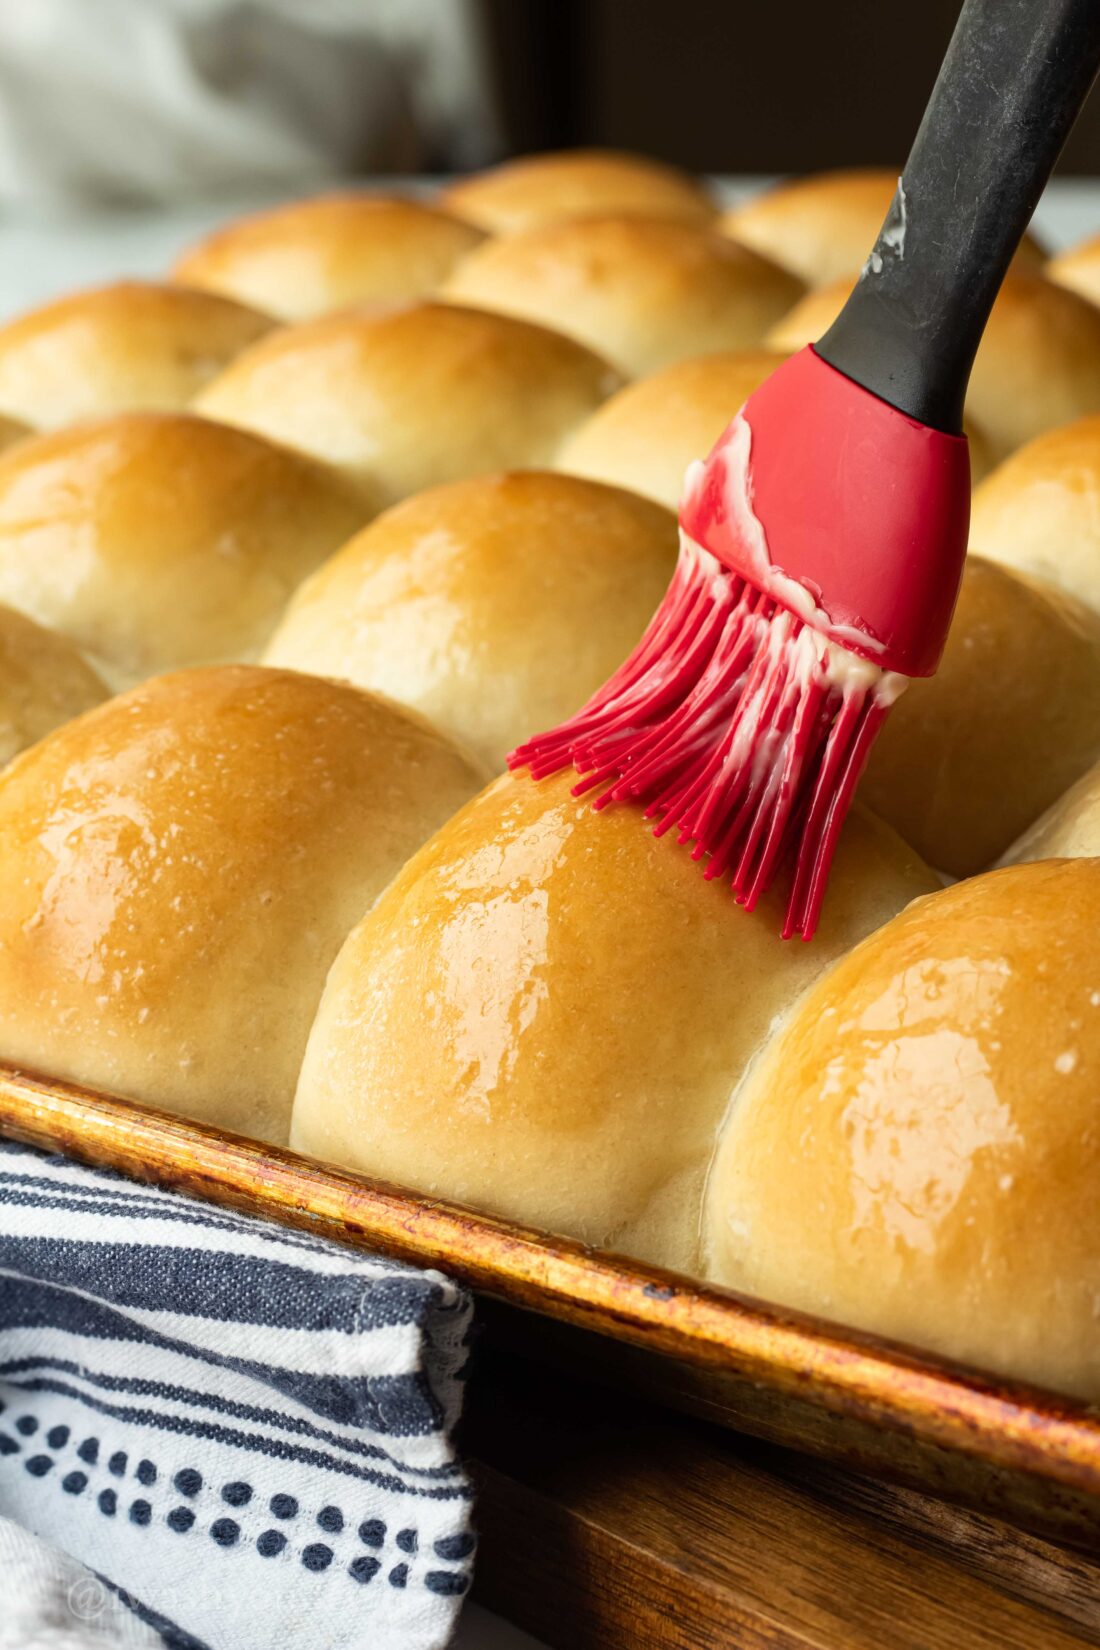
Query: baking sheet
x=1008, y=1449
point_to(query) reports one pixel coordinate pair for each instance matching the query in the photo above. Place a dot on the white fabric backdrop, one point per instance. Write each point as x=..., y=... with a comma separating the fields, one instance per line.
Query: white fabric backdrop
x=160, y=100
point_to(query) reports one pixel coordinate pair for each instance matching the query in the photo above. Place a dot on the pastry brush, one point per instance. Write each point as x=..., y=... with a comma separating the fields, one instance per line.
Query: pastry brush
x=822, y=541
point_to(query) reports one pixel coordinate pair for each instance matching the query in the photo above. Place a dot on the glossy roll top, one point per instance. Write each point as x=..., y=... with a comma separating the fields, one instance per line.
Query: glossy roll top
x=917, y=1152
x=493, y=606
x=546, y=1012
x=111, y=348
x=414, y=397
x=179, y=867
x=156, y=540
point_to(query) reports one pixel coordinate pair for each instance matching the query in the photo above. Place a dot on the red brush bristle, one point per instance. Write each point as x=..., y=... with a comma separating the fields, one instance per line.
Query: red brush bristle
x=723, y=723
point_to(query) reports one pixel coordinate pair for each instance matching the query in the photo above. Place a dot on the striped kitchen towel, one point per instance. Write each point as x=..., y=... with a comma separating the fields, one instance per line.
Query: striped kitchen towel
x=243, y=1432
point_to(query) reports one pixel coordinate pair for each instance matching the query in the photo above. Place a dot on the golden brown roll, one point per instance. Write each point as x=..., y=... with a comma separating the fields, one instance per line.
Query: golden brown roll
x=418, y=396
x=647, y=434
x=643, y=291
x=918, y=1151
x=1039, y=512
x=1038, y=364
x=1070, y=828
x=822, y=227
x=1078, y=267
x=495, y=607
x=155, y=540
x=312, y=256
x=43, y=682
x=179, y=867
x=542, y=188
x=110, y=348
x=11, y=431
x=812, y=316
x=546, y=1012
x=970, y=757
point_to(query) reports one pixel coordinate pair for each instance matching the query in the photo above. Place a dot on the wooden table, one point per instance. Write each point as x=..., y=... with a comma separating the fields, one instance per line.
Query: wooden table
x=608, y=1523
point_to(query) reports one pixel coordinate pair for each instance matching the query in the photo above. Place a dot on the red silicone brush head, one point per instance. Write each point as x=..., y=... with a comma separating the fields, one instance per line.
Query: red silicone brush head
x=822, y=545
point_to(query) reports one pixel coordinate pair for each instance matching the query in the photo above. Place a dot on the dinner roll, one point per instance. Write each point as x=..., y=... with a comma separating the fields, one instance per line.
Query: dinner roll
x=546, y=1012
x=1078, y=267
x=11, y=431
x=43, y=682
x=312, y=256
x=1039, y=512
x=179, y=868
x=643, y=291
x=495, y=607
x=918, y=1151
x=1070, y=828
x=810, y=318
x=160, y=539
x=647, y=434
x=969, y=757
x=538, y=189
x=132, y=344
x=421, y=395
x=823, y=227
x=1038, y=363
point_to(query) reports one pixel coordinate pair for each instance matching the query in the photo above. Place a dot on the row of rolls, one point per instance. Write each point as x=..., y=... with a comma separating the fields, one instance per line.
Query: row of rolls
x=296, y=545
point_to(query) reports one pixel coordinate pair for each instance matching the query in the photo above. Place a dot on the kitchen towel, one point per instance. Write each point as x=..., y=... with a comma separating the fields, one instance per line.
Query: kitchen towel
x=50, y=1602
x=242, y=1431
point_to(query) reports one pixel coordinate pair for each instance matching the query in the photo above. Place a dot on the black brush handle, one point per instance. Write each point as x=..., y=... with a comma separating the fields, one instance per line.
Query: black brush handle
x=1014, y=78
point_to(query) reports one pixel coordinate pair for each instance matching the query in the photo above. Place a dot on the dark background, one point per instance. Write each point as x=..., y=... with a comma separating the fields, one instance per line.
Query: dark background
x=766, y=86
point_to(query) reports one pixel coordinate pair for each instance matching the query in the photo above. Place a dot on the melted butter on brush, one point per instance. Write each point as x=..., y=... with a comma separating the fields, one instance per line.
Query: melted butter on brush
x=826, y=647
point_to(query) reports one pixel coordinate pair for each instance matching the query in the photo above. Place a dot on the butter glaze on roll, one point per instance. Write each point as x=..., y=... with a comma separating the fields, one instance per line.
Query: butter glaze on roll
x=421, y=395
x=644, y=292
x=647, y=434
x=1038, y=363
x=313, y=256
x=43, y=682
x=111, y=348
x=538, y=189
x=972, y=755
x=822, y=227
x=917, y=1152
x=178, y=869
x=546, y=1012
x=493, y=606
x=1039, y=512
x=155, y=540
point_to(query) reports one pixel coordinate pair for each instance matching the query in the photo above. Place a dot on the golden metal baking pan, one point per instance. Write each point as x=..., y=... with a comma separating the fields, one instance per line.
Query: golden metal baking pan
x=1007, y=1449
